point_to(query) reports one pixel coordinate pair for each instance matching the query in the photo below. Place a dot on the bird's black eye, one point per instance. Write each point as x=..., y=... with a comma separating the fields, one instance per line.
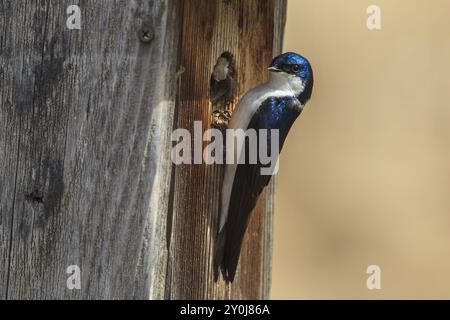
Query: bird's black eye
x=295, y=68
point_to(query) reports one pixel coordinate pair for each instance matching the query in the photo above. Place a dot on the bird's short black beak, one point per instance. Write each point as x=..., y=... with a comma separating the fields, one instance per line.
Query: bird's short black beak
x=274, y=69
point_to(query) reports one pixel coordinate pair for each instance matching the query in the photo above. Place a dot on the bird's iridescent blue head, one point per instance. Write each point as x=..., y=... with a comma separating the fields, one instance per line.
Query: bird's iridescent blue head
x=294, y=67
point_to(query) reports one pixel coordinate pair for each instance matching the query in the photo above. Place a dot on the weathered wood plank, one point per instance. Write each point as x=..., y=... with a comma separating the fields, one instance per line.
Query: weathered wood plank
x=86, y=118
x=269, y=206
x=251, y=30
x=85, y=121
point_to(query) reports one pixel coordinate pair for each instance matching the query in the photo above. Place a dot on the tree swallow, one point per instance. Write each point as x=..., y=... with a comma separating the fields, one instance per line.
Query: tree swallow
x=273, y=105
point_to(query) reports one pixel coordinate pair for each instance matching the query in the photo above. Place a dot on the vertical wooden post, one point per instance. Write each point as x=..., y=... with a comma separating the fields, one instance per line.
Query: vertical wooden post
x=252, y=31
x=85, y=123
x=86, y=118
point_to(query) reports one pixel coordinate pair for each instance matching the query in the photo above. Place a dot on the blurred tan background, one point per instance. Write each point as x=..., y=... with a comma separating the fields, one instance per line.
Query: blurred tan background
x=365, y=173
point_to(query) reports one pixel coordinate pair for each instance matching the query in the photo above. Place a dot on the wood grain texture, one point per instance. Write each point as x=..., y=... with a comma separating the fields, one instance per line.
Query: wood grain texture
x=85, y=123
x=252, y=31
x=86, y=117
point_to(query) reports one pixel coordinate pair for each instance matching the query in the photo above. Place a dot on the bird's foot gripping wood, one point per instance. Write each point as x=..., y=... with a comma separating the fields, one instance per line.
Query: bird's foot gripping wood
x=220, y=119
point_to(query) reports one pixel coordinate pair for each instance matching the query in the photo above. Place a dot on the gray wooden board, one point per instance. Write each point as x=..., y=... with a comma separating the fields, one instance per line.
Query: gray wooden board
x=86, y=117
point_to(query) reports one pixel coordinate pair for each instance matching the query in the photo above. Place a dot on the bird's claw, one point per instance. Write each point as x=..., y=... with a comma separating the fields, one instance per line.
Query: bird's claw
x=221, y=118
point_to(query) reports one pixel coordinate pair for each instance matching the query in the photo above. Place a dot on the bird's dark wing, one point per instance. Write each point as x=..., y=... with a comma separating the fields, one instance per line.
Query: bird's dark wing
x=274, y=113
